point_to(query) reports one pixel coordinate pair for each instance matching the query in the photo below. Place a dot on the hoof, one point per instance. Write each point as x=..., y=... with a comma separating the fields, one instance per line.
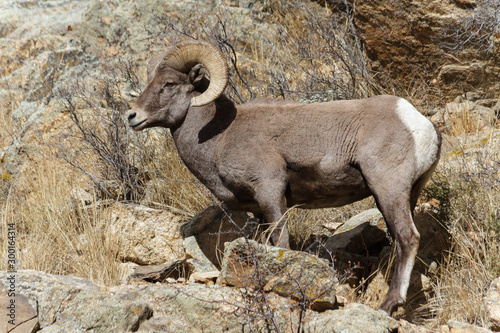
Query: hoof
x=383, y=312
x=388, y=306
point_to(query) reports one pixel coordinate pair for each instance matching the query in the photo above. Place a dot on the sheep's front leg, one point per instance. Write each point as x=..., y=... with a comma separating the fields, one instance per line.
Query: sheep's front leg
x=270, y=195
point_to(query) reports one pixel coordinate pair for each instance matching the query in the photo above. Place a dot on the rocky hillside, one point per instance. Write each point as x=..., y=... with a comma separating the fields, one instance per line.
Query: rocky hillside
x=443, y=48
x=108, y=232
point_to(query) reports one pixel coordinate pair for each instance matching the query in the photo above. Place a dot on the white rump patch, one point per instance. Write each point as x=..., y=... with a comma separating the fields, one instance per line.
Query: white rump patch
x=424, y=135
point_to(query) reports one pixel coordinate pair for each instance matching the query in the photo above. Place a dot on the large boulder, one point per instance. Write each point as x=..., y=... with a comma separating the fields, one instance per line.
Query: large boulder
x=468, y=114
x=147, y=236
x=299, y=275
x=175, y=249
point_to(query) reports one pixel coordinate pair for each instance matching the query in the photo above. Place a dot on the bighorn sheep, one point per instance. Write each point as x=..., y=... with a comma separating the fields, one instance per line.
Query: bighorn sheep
x=267, y=155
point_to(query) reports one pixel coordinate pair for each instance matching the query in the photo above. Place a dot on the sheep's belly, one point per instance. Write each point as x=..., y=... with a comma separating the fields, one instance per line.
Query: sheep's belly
x=336, y=200
x=321, y=188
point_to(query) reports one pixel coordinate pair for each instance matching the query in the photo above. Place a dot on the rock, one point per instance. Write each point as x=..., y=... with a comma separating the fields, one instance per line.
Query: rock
x=488, y=102
x=299, y=275
x=213, y=227
x=355, y=245
x=469, y=75
x=158, y=273
x=69, y=304
x=475, y=80
x=406, y=29
x=18, y=315
x=458, y=327
x=125, y=270
x=205, y=277
x=476, y=113
x=196, y=259
x=492, y=301
x=202, y=308
x=496, y=109
x=361, y=319
x=406, y=327
x=164, y=324
x=148, y=236
x=472, y=95
x=366, y=234
x=487, y=115
x=360, y=234
x=406, y=41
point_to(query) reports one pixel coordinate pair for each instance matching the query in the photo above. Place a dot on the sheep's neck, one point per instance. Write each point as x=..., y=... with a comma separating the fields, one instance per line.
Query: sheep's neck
x=196, y=138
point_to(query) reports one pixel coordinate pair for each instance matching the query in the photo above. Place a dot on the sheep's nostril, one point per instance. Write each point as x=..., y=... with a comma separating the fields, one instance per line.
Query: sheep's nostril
x=131, y=116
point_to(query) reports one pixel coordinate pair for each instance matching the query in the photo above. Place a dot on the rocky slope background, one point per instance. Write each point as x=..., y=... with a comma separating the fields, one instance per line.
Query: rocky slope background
x=105, y=230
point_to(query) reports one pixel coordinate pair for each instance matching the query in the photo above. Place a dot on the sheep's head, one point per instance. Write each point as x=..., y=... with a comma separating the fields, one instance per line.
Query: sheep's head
x=173, y=77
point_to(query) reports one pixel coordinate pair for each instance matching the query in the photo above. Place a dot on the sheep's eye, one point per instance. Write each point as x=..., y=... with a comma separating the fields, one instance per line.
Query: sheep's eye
x=167, y=85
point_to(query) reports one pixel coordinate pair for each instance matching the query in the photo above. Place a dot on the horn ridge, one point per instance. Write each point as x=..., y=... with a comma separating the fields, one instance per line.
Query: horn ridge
x=185, y=55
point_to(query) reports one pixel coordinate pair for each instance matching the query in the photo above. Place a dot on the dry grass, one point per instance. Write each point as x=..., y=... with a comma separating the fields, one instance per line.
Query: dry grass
x=468, y=183
x=461, y=120
x=303, y=224
x=171, y=185
x=55, y=233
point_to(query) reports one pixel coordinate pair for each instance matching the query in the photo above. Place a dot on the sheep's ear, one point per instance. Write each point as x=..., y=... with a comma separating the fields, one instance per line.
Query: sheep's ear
x=196, y=74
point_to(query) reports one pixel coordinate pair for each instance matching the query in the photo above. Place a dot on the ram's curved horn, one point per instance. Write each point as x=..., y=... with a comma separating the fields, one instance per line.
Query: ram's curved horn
x=184, y=56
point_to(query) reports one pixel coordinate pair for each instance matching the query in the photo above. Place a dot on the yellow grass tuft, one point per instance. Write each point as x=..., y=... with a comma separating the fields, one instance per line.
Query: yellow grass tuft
x=54, y=232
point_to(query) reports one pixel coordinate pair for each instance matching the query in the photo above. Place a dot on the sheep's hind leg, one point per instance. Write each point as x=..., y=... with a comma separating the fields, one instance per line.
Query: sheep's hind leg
x=393, y=201
x=399, y=220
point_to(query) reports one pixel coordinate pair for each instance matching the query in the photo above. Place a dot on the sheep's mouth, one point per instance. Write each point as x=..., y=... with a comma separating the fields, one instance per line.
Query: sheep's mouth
x=139, y=126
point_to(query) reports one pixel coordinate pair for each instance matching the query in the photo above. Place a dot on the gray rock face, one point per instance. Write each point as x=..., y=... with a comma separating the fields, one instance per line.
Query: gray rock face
x=148, y=236
x=57, y=16
x=196, y=258
x=68, y=303
x=355, y=318
x=71, y=304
